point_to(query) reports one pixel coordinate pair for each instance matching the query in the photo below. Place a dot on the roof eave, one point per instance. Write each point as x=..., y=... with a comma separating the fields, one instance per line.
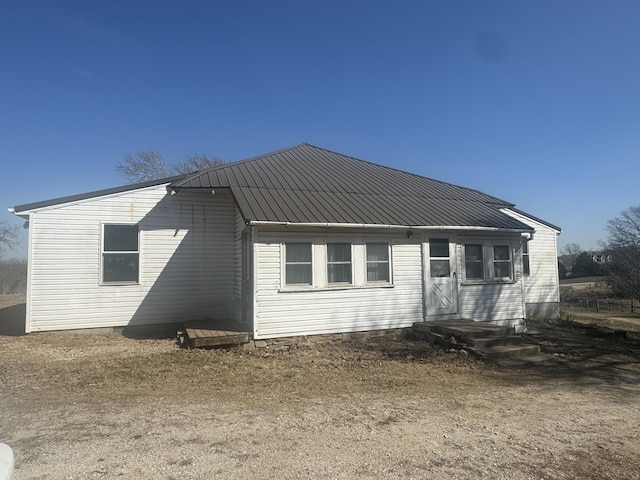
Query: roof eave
x=467, y=228
x=28, y=207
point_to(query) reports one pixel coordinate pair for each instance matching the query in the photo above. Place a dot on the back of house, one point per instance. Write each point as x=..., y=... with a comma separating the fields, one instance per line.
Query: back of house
x=300, y=241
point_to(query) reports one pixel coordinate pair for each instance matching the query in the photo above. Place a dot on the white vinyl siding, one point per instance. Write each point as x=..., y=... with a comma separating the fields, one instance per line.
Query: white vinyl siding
x=541, y=286
x=186, y=260
x=327, y=309
x=239, y=227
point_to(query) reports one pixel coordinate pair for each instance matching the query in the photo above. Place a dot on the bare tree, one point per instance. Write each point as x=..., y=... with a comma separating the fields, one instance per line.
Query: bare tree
x=145, y=166
x=569, y=254
x=8, y=235
x=624, y=248
x=196, y=162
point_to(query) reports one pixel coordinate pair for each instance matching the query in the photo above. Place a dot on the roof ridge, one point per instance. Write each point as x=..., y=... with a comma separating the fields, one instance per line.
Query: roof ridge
x=192, y=175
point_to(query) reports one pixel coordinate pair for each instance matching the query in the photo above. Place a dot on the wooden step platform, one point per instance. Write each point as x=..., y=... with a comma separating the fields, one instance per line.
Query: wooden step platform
x=208, y=333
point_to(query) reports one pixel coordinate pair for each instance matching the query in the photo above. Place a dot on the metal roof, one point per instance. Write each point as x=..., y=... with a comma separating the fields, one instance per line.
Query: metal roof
x=311, y=185
x=18, y=209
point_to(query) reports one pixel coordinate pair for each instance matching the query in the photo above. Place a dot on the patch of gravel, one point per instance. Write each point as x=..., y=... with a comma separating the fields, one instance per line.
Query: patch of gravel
x=106, y=406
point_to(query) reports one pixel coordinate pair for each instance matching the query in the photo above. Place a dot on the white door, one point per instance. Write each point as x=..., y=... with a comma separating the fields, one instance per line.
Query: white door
x=441, y=281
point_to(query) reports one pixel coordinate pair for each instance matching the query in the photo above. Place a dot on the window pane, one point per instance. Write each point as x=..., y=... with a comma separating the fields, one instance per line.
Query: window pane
x=473, y=252
x=474, y=271
x=438, y=247
x=298, y=252
x=120, y=267
x=440, y=268
x=378, y=272
x=501, y=252
x=120, y=238
x=339, y=273
x=338, y=252
x=526, y=269
x=502, y=269
x=377, y=252
x=298, y=274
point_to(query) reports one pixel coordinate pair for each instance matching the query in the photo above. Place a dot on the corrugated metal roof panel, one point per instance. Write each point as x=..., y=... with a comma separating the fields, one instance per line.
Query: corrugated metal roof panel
x=307, y=184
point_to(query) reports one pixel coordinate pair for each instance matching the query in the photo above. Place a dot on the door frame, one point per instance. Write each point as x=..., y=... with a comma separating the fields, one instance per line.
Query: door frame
x=429, y=314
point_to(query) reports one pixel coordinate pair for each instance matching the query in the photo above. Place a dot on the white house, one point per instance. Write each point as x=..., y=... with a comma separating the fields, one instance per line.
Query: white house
x=296, y=242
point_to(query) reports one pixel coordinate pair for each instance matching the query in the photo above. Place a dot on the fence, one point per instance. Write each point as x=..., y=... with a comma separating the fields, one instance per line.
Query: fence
x=620, y=305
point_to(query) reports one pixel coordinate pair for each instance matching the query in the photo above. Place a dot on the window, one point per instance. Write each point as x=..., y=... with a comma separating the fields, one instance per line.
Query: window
x=120, y=255
x=298, y=263
x=526, y=268
x=378, y=262
x=339, y=263
x=501, y=262
x=473, y=261
x=439, y=264
x=488, y=262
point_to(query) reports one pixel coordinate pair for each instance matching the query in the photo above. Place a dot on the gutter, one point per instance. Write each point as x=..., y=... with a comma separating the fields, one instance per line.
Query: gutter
x=263, y=223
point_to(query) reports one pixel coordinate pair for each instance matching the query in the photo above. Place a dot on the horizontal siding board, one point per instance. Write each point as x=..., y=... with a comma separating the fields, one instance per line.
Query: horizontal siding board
x=186, y=261
x=542, y=285
x=286, y=313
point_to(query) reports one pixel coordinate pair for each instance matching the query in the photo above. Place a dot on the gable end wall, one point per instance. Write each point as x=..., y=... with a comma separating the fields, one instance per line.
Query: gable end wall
x=186, y=261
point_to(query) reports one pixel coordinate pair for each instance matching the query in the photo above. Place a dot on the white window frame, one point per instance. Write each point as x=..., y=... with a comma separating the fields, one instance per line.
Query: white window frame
x=367, y=262
x=327, y=263
x=320, y=265
x=291, y=286
x=526, y=258
x=104, y=252
x=489, y=261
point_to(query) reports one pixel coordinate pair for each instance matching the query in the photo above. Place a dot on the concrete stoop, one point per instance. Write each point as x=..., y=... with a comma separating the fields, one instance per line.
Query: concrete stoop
x=495, y=342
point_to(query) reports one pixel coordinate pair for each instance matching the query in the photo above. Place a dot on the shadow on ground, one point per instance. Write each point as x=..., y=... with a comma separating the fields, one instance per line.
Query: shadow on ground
x=152, y=332
x=12, y=319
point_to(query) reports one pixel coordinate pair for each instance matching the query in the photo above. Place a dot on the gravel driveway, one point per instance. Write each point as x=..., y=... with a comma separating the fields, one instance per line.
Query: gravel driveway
x=107, y=406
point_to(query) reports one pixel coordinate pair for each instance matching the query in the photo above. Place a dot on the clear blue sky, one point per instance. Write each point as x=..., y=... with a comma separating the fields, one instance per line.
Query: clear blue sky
x=536, y=102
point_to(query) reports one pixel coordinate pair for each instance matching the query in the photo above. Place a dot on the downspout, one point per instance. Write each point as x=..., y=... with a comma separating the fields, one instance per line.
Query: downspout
x=27, y=316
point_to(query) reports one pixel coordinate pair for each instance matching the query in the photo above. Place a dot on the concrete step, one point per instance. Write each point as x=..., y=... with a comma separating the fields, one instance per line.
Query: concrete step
x=525, y=361
x=507, y=351
x=486, y=342
x=468, y=330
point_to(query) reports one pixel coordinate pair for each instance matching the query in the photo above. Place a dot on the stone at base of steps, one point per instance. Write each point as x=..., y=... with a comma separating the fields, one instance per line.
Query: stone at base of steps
x=497, y=343
x=524, y=361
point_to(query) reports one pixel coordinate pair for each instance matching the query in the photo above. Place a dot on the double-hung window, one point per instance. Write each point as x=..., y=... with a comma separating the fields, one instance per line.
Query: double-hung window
x=378, y=262
x=474, y=261
x=298, y=264
x=120, y=254
x=339, y=269
x=502, y=262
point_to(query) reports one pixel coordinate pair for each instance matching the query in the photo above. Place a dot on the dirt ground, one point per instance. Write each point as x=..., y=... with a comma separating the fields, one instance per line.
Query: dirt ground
x=78, y=406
